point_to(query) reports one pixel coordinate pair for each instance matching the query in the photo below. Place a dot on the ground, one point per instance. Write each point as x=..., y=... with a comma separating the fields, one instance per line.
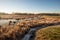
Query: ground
x=18, y=30
x=48, y=33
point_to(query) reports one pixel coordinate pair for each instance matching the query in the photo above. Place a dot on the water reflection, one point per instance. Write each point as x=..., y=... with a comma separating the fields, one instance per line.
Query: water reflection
x=5, y=22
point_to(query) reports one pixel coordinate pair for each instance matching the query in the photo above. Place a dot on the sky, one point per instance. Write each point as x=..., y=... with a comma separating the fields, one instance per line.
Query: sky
x=30, y=6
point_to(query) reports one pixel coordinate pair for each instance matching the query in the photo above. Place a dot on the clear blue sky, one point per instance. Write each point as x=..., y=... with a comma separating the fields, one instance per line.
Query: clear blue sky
x=35, y=6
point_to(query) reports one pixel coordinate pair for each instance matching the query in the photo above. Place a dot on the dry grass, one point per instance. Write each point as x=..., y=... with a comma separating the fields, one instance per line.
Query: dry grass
x=18, y=30
x=49, y=33
x=57, y=17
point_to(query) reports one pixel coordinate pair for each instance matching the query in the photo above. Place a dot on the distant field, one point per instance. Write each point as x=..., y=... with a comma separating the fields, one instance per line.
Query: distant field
x=13, y=16
x=58, y=17
x=22, y=16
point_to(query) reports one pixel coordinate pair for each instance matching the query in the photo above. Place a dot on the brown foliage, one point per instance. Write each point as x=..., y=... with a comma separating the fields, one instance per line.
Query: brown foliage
x=18, y=30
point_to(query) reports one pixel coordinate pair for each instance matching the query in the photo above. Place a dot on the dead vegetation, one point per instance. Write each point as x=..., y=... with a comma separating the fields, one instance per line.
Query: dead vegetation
x=18, y=30
x=48, y=33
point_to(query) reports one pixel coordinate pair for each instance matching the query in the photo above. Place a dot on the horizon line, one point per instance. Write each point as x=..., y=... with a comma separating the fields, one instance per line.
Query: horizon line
x=28, y=12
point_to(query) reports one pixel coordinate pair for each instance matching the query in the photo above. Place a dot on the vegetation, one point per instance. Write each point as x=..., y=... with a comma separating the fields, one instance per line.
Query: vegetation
x=48, y=33
x=26, y=15
x=19, y=29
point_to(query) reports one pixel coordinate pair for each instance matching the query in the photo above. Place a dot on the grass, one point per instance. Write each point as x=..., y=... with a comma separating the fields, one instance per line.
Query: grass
x=18, y=30
x=57, y=17
x=48, y=33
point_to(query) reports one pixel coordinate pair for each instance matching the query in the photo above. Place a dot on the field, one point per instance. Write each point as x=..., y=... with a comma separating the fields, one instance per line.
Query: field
x=48, y=33
x=27, y=25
